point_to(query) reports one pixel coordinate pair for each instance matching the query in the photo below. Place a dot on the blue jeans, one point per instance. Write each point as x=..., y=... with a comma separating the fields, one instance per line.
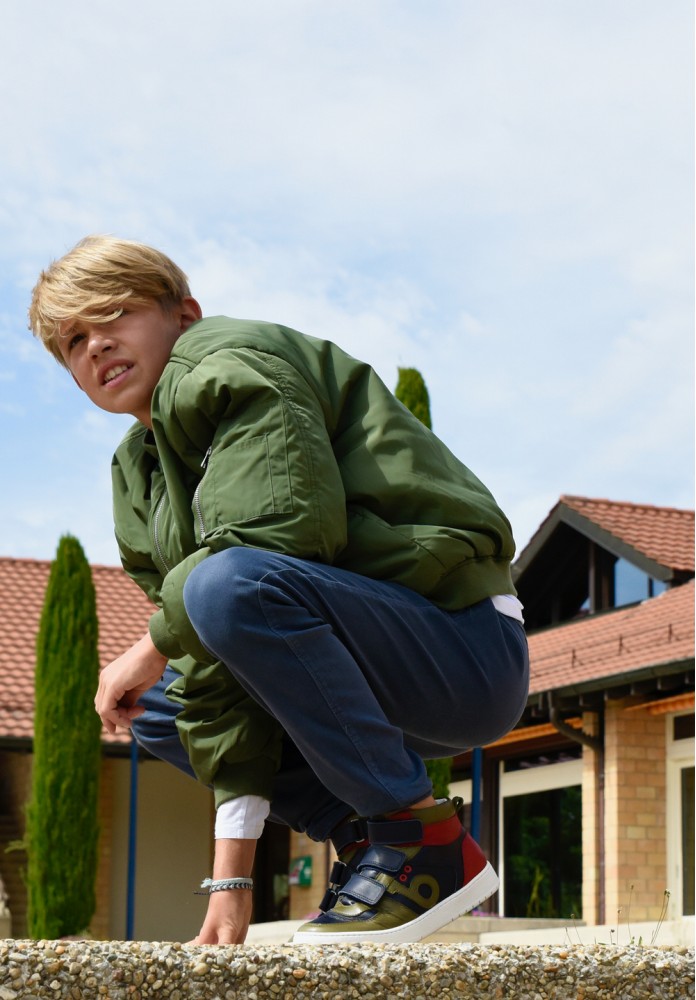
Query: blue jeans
x=366, y=678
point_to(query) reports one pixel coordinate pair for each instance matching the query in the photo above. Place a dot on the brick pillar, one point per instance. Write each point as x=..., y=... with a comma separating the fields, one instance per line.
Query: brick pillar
x=636, y=813
x=100, y=925
x=591, y=834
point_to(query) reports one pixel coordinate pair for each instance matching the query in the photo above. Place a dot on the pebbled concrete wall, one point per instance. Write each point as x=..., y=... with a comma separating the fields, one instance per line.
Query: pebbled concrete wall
x=38, y=970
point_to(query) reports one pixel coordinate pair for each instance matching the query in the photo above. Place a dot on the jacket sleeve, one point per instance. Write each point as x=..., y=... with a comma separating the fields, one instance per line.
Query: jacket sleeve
x=232, y=743
x=271, y=480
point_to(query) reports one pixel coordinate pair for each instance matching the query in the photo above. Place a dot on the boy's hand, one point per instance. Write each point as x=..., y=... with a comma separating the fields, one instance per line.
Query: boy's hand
x=124, y=680
x=229, y=912
x=228, y=917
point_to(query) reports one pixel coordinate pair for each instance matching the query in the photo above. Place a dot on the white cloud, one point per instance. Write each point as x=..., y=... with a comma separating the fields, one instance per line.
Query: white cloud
x=499, y=194
x=371, y=318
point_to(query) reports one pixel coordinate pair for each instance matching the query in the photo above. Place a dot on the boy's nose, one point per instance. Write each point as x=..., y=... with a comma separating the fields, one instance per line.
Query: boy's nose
x=98, y=340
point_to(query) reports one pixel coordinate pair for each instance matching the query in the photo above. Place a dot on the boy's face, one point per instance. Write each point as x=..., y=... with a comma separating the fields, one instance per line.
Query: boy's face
x=118, y=363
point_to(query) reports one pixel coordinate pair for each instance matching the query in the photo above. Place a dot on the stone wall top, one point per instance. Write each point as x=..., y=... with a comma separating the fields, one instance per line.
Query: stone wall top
x=34, y=970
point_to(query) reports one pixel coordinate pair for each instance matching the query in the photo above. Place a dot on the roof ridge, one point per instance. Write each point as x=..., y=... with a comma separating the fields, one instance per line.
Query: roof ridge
x=25, y=559
x=565, y=497
x=33, y=561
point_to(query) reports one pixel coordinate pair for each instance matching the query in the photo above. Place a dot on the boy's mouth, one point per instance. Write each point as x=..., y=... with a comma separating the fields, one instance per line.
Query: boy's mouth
x=111, y=373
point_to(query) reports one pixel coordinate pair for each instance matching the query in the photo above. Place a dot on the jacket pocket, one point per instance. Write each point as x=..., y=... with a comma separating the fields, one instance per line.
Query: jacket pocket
x=244, y=481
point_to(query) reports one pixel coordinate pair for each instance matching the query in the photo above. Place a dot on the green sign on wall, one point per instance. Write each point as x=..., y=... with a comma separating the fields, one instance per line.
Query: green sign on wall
x=301, y=871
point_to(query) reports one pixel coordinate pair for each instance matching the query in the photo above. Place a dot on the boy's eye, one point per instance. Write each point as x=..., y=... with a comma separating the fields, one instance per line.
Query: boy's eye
x=74, y=339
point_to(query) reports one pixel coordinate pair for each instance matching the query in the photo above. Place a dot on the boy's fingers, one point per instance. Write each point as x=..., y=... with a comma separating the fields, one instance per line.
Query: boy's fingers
x=109, y=726
x=115, y=717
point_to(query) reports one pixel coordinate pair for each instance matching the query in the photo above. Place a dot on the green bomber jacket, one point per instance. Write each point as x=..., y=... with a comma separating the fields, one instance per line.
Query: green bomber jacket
x=262, y=436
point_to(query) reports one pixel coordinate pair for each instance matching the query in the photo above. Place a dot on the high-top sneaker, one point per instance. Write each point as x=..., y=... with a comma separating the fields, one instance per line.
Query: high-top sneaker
x=421, y=871
x=349, y=839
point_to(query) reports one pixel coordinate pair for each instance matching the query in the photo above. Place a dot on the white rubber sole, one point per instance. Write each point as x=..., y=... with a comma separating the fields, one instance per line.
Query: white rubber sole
x=456, y=905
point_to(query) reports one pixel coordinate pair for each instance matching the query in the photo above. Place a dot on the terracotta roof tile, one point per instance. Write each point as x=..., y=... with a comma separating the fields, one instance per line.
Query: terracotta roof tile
x=123, y=614
x=656, y=632
x=664, y=534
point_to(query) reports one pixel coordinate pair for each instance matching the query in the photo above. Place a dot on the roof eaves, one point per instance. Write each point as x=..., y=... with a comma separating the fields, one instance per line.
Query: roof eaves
x=655, y=671
x=612, y=543
x=537, y=541
x=110, y=747
x=563, y=513
x=16, y=743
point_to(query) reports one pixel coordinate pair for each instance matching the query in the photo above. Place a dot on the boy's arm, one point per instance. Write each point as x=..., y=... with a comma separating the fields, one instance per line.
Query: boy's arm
x=229, y=912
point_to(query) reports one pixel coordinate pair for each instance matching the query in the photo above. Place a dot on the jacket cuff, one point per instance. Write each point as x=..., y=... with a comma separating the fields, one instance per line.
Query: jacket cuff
x=181, y=633
x=248, y=778
x=170, y=646
x=162, y=637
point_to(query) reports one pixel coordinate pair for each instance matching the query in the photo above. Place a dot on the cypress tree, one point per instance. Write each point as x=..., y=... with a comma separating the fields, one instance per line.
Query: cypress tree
x=413, y=393
x=62, y=828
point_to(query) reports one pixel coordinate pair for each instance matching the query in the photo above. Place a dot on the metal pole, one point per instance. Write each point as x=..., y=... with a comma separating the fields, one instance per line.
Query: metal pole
x=132, y=839
x=476, y=771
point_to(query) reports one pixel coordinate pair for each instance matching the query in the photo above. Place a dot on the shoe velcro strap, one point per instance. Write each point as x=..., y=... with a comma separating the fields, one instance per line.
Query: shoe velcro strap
x=329, y=900
x=362, y=889
x=339, y=873
x=350, y=831
x=395, y=831
x=458, y=804
x=384, y=858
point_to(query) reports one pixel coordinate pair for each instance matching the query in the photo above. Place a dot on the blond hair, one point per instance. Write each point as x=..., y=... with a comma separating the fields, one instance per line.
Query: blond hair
x=93, y=282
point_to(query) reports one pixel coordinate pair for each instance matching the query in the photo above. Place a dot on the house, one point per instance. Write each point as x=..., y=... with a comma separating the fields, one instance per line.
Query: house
x=587, y=805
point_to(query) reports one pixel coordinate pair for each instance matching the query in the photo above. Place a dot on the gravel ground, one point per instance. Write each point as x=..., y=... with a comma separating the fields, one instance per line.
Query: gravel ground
x=139, y=970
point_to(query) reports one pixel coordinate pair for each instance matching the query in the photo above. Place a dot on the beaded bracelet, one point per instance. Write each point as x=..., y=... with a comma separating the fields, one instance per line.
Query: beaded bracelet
x=220, y=884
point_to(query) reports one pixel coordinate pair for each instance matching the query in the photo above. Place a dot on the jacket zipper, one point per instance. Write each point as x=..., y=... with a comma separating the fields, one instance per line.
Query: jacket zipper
x=196, y=497
x=155, y=535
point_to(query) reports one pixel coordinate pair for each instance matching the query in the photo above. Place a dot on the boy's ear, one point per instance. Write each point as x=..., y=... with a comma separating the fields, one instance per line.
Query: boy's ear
x=191, y=312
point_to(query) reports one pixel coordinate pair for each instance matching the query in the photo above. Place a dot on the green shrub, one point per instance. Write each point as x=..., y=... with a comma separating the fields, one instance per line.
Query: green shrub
x=413, y=393
x=62, y=829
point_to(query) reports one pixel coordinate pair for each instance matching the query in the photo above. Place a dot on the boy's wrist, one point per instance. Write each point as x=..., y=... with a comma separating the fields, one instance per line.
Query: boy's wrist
x=234, y=858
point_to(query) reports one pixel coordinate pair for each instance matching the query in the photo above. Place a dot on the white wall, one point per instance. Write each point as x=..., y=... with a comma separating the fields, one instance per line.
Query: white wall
x=173, y=852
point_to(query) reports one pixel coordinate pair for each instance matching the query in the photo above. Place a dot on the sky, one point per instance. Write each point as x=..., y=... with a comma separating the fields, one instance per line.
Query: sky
x=496, y=192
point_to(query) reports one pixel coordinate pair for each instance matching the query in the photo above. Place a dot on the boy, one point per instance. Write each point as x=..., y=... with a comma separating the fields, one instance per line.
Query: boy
x=333, y=590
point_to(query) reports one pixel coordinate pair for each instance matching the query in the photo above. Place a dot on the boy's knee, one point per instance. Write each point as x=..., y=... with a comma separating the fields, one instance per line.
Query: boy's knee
x=207, y=582
x=227, y=597
x=216, y=588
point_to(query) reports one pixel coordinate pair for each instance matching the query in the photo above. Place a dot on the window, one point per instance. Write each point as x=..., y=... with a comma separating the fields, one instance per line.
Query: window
x=632, y=584
x=680, y=814
x=683, y=727
x=541, y=840
x=543, y=853
x=687, y=838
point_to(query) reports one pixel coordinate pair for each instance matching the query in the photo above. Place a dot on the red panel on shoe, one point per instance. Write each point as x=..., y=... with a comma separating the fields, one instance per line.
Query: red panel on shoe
x=473, y=857
x=444, y=832
x=434, y=834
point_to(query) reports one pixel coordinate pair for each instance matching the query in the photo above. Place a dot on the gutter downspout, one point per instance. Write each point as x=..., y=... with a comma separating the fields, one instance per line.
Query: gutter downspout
x=595, y=743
